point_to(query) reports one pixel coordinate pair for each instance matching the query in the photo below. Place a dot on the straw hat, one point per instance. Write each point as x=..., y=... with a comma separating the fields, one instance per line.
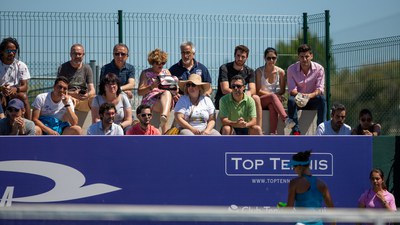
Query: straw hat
x=193, y=78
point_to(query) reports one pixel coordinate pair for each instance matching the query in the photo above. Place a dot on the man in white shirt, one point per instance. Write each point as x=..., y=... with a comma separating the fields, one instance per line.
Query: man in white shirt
x=53, y=112
x=336, y=125
x=14, y=75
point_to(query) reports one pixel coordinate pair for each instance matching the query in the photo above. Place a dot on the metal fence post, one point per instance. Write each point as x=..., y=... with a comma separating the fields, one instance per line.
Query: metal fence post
x=328, y=62
x=120, y=35
x=92, y=64
x=305, y=28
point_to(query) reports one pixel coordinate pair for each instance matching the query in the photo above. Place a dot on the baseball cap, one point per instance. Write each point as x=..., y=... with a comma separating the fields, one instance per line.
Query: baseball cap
x=16, y=103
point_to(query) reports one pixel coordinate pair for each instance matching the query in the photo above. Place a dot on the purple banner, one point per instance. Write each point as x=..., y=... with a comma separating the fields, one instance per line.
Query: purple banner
x=237, y=171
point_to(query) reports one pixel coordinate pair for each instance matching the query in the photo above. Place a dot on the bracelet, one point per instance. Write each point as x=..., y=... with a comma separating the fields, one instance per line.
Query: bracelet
x=67, y=105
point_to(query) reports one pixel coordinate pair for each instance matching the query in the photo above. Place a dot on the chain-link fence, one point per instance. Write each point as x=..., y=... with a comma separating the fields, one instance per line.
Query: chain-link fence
x=363, y=74
x=367, y=76
x=45, y=38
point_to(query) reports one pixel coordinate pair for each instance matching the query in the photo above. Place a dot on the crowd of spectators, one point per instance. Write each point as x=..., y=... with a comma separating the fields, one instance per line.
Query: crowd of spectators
x=241, y=96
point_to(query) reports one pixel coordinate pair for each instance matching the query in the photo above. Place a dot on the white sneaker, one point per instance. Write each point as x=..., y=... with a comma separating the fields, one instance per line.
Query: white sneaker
x=289, y=123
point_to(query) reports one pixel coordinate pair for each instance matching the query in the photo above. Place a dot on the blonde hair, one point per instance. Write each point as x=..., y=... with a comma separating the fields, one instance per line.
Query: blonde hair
x=157, y=56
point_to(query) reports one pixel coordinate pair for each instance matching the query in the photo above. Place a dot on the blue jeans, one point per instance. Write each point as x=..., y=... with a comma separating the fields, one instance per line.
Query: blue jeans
x=318, y=103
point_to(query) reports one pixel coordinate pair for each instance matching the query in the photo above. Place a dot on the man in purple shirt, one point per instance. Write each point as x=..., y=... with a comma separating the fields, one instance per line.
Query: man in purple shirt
x=307, y=78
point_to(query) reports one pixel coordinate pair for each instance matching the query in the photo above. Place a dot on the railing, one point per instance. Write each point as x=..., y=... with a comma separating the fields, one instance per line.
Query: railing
x=82, y=212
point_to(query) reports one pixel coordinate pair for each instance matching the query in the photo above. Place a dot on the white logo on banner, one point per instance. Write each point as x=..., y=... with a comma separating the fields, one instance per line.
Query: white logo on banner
x=68, y=182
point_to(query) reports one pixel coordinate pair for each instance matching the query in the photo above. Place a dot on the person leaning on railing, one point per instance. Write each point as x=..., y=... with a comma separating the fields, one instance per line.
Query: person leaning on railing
x=367, y=126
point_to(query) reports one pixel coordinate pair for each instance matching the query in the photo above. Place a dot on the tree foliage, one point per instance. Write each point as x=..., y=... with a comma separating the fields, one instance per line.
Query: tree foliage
x=375, y=87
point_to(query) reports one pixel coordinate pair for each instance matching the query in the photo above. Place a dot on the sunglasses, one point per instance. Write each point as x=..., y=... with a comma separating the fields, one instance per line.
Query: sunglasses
x=161, y=63
x=120, y=54
x=366, y=119
x=186, y=53
x=60, y=87
x=12, y=109
x=236, y=86
x=271, y=58
x=190, y=85
x=9, y=51
x=146, y=115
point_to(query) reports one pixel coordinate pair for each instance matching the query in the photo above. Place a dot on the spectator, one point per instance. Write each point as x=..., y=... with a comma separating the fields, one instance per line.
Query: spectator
x=194, y=112
x=305, y=80
x=161, y=100
x=124, y=71
x=336, y=125
x=307, y=191
x=14, y=123
x=14, y=75
x=366, y=126
x=106, y=125
x=188, y=65
x=238, y=67
x=238, y=111
x=270, y=86
x=80, y=77
x=110, y=92
x=143, y=127
x=377, y=196
x=53, y=112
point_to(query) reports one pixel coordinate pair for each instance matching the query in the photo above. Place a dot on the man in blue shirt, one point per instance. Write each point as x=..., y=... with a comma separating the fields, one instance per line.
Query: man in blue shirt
x=106, y=125
x=188, y=65
x=124, y=71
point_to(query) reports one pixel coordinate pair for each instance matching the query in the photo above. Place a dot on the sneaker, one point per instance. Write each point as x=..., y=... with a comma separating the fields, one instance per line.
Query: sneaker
x=289, y=123
x=295, y=133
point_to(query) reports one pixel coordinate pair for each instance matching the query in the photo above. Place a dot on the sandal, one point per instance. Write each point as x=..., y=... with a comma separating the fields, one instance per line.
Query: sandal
x=163, y=119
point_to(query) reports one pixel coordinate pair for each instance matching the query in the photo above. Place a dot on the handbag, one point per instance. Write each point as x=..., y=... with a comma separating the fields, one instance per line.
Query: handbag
x=167, y=82
x=173, y=131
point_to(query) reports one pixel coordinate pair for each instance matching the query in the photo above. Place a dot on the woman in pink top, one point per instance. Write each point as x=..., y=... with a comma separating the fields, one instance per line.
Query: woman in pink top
x=160, y=100
x=377, y=196
x=270, y=86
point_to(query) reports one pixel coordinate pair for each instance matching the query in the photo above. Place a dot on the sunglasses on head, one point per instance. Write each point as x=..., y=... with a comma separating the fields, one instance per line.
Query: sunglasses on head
x=236, y=86
x=9, y=51
x=190, y=85
x=146, y=115
x=12, y=109
x=120, y=54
